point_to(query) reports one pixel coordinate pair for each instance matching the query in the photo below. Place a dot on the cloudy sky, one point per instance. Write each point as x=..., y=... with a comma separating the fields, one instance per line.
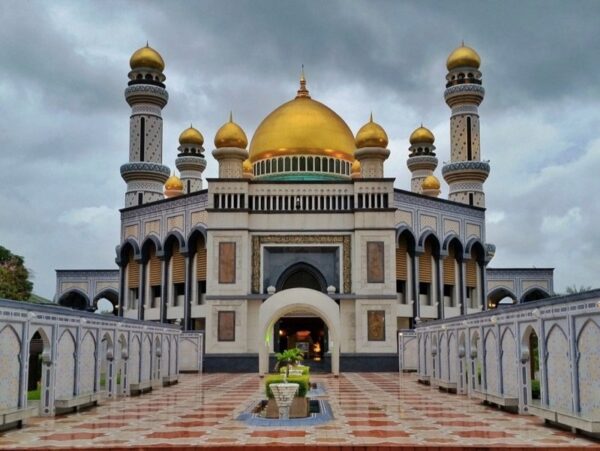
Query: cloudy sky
x=64, y=121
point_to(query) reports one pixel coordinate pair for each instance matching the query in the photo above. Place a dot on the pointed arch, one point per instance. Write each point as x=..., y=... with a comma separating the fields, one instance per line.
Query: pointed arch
x=534, y=294
x=126, y=247
x=428, y=234
x=172, y=236
x=404, y=229
x=149, y=241
x=10, y=350
x=199, y=229
x=75, y=298
x=452, y=239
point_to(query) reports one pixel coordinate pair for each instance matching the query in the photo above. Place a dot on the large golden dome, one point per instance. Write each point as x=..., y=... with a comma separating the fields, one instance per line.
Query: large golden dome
x=147, y=57
x=463, y=56
x=302, y=126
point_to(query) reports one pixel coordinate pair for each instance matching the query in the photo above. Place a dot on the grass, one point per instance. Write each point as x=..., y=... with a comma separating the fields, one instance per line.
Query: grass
x=34, y=395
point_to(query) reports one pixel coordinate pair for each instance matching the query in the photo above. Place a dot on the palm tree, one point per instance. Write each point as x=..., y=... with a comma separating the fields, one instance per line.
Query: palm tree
x=289, y=357
x=572, y=289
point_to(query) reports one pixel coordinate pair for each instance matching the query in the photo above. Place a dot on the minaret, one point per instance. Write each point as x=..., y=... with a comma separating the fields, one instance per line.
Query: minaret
x=190, y=161
x=371, y=149
x=421, y=159
x=147, y=96
x=466, y=172
x=230, y=150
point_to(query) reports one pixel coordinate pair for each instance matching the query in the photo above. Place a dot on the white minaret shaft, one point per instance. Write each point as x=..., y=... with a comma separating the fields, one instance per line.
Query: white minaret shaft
x=147, y=96
x=465, y=173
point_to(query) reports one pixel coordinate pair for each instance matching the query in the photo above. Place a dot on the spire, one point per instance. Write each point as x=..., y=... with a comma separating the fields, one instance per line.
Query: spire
x=230, y=116
x=302, y=92
x=371, y=117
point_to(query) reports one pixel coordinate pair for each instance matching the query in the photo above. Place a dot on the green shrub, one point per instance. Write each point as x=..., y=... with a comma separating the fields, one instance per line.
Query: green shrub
x=305, y=369
x=303, y=381
x=535, y=389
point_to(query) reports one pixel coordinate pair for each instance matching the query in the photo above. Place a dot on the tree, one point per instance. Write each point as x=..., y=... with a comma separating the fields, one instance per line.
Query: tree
x=572, y=289
x=14, y=277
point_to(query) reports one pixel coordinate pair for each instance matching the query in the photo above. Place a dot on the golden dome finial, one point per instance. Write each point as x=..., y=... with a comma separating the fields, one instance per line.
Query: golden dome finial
x=421, y=135
x=371, y=135
x=463, y=56
x=303, y=92
x=231, y=135
x=147, y=57
x=191, y=136
x=430, y=186
x=173, y=186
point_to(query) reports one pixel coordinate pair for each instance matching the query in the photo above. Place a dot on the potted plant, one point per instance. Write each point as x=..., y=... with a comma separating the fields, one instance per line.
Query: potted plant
x=287, y=359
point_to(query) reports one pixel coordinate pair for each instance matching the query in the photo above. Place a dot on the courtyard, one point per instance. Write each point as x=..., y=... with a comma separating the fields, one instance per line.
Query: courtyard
x=369, y=409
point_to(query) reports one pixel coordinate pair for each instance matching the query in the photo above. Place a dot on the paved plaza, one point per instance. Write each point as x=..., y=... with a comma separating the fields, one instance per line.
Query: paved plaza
x=369, y=409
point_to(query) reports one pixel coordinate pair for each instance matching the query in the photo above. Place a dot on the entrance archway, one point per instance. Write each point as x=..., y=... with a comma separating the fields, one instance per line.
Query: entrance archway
x=298, y=300
x=302, y=275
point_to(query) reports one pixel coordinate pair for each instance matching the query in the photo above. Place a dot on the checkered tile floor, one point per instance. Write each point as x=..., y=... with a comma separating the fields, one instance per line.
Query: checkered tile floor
x=369, y=409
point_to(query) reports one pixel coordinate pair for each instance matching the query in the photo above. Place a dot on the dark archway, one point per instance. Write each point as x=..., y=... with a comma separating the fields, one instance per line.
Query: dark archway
x=74, y=299
x=302, y=275
x=534, y=295
x=501, y=297
x=111, y=295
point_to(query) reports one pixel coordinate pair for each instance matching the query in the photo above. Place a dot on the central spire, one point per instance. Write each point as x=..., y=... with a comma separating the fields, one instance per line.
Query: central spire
x=302, y=92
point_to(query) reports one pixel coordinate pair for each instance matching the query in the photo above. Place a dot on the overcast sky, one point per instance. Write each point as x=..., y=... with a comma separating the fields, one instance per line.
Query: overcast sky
x=64, y=121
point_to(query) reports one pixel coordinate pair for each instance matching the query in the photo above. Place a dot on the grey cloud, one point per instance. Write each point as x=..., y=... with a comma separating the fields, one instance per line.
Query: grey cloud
x=64, y=122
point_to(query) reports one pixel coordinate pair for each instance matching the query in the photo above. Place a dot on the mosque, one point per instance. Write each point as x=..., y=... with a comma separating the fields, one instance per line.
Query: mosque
x=301, y=240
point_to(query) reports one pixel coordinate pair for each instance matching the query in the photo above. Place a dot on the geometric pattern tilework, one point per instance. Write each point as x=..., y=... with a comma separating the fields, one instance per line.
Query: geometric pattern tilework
x=368, y=409
x=65, y=366
x=146, y=356
x=87, y=364
x=559, y=372
x=10, y=346
x=589, y=369
x=491, y=362
x=134, y=361
x=509, y=364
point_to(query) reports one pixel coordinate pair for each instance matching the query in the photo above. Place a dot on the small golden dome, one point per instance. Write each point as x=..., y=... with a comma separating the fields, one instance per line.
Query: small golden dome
x=463, y=56
x=356, y=167
x=173, y=183
x=147, y=57
x=430, y=182
x=422, y=135
x=302, y=126
x=231, y=135
x=371, y=135
x=247, y=166
x=191, y=136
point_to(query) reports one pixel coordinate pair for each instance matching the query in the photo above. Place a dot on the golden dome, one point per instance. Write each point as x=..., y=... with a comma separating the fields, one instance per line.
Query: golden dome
x=371, y=135
x=356, y=167
x=463, y=56
x=231, y=135
x=421, y=135
x=191, y=136
x=173, y=183
x=302, y=126
x=430, y=182
x=147, y=57
x=247, y=166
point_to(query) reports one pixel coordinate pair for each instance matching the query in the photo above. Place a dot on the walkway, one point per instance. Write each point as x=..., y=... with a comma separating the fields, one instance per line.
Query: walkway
x=369, y=409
